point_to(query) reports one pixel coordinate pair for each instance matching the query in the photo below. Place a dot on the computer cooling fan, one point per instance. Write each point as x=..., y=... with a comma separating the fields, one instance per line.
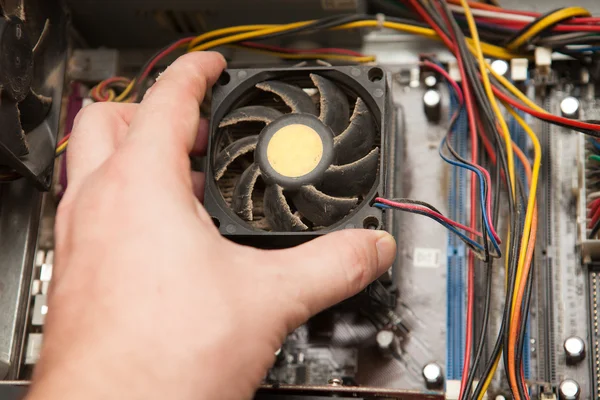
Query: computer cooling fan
x=32, y=54
x=296, y=153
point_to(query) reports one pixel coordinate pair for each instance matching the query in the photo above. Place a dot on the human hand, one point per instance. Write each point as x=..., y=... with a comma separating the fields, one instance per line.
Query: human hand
x=148, y=301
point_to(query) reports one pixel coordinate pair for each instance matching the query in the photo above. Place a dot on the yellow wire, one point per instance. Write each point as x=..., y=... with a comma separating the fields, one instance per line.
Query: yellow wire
x=60, y=148
x=545, y=23
x=531, y=199
x=249, y=35
x=477, y=49
x=125, y=92
x=316, y=56
x=490, y=93
x=226, y=31
x=512, y=88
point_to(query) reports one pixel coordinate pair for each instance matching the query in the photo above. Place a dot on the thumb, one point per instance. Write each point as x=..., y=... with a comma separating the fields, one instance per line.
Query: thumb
x=332, y=268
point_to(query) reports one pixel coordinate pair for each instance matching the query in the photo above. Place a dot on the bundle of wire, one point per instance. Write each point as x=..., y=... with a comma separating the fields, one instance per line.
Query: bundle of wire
x=470, y=31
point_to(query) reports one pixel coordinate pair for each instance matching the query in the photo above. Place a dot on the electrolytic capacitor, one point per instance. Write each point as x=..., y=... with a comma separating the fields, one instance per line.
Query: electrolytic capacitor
x=574, y=350
x=432, y=104
x=433, y=375
x=569, y=390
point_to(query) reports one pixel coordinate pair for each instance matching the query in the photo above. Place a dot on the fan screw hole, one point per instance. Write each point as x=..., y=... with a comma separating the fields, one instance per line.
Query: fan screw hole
x=216, y=221
x=19, y=32
x=224, y=79
x=371, y=223
x=375, y=74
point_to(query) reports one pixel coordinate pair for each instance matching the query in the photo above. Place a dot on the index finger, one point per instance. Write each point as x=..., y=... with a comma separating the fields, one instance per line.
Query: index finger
x=167, y=120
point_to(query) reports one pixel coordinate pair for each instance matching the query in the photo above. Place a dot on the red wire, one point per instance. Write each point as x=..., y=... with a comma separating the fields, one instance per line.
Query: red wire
x=163, y=54
x=545, y=116
x=473, y=217
x=594, y=212
x=345, y=52
x=488, y=178
x=429, y=211
x=63, y=140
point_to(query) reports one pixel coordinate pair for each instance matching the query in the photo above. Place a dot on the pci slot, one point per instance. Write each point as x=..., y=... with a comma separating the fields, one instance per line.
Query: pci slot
x=456, y=265
x=546, y=355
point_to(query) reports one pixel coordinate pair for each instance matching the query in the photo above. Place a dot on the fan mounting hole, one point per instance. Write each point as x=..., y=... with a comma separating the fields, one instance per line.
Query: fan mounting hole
x=216, y=221
x=375, y=74
x=371, y=222
x=224, y=79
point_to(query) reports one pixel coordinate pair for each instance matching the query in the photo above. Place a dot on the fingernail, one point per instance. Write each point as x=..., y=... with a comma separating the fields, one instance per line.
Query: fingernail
x=386, y=249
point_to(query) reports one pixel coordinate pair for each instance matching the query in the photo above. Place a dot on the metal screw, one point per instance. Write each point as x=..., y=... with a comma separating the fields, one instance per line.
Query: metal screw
x=18, y=32
x=335, y=382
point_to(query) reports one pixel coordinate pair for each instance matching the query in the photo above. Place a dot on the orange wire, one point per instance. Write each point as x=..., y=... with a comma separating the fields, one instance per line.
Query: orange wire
x=514, y=327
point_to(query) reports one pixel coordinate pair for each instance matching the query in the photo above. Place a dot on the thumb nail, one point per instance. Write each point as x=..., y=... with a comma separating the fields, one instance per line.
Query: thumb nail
x=386, y=249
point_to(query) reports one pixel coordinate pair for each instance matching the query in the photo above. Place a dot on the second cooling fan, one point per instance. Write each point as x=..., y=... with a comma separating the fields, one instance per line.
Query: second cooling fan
x=295, y=150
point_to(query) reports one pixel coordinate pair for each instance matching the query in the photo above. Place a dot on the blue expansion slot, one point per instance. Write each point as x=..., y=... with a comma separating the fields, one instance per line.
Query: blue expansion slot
x=456, y=263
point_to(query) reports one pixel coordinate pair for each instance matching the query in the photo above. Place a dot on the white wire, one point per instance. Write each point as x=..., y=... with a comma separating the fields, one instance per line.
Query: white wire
x=493, y=14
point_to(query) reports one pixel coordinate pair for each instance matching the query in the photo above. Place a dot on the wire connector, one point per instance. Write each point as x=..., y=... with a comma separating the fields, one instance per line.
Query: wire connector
x=380, y=20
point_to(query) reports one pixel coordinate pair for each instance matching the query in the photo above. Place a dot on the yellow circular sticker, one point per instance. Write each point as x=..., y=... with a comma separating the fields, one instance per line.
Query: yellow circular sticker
x=295, y=150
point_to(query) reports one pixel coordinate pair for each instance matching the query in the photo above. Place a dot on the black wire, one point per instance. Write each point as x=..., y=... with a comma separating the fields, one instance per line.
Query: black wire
x=418, y=202
x=488, y=121
x=488, y=294
x=527, y=27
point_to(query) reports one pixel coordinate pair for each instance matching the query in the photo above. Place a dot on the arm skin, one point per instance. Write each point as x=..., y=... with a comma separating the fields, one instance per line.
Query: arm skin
x=148, y=301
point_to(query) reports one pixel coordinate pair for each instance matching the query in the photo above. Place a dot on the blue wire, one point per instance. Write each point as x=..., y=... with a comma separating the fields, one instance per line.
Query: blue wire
x=592, y=49
x=444, y=223
x=595, y=143
x=481, y=193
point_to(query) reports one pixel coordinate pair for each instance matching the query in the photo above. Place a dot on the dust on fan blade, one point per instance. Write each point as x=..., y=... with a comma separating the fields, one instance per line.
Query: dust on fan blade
x=320, y=208
x=358, y=139
x=352, y=179
x=11, y=133
x=250, y=114
x=231, y=152
x=242, y=193
x=33, y=110
x=334, y=104
x=13, y=8
x=294, y=97
x=278, y=212
x=42, y=37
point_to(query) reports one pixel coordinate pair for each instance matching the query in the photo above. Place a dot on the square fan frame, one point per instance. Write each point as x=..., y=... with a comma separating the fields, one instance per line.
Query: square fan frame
x=371, y=83
x=49, y=75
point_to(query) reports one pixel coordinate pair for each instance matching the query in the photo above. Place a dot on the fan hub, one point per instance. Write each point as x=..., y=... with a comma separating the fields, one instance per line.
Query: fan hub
x=294, y=150
x=16, y=63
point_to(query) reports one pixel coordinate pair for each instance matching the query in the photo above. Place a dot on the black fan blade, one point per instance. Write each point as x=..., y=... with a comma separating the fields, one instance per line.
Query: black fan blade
x=34, y=109
x=14, y=8
x=352, y=179
x=233, y=151
x=294, y=97
x=250, y=114
x=320, y=208
x=334, y=104
x=11, y=133
x=242, y=193
x=278, y=212
x=42, y=37
x=357, y=140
